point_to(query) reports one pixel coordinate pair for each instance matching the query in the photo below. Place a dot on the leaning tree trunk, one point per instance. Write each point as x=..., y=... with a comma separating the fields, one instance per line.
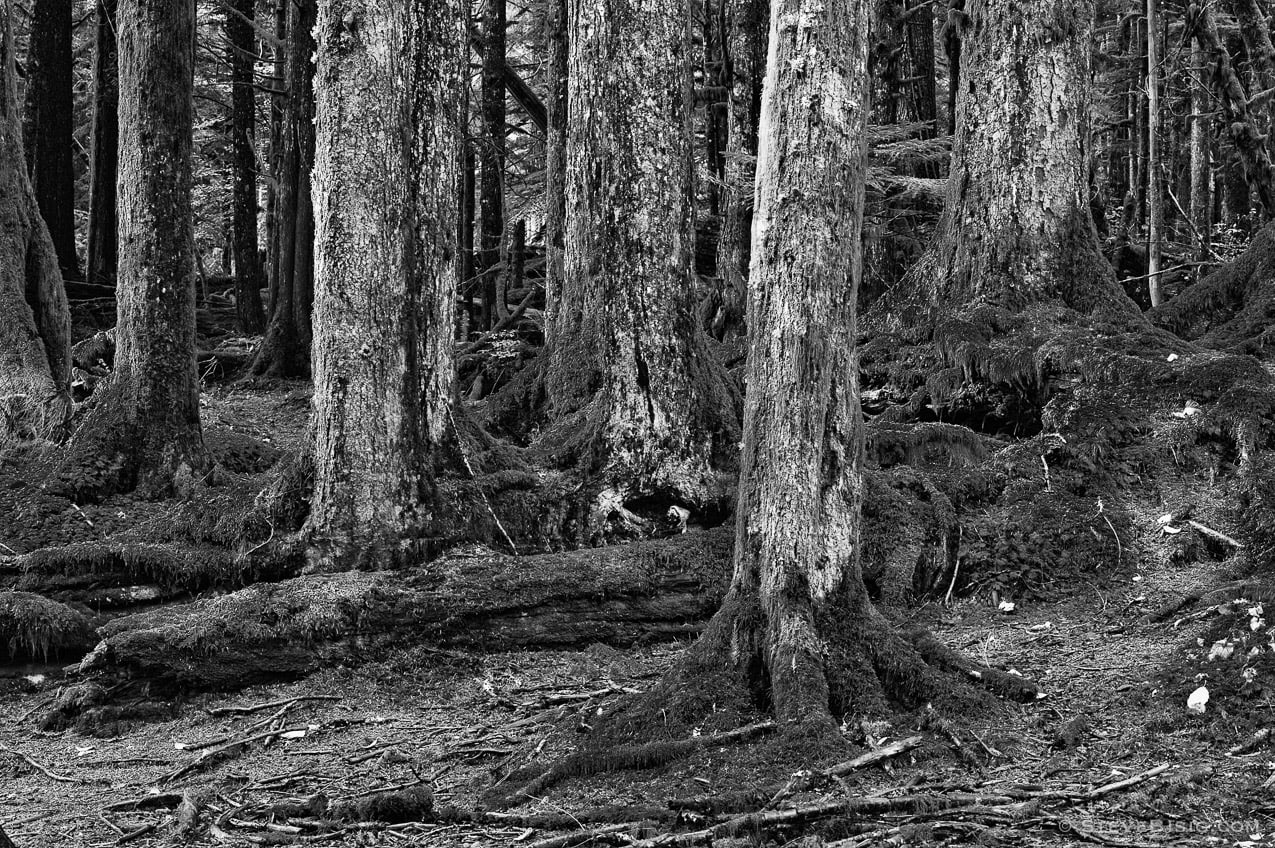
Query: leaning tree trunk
x=35, y=328
x=389, y=128
x=103, y=247
x=744, y=57
x=241, y=48
x=1017, y=227
x=285, y=350
x=144, y=432
x=50, y=125
x=629, y=367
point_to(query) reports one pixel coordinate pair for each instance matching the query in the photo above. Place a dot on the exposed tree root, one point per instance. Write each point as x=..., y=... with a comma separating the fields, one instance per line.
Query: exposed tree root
x=622, y=758
x=1233, y=308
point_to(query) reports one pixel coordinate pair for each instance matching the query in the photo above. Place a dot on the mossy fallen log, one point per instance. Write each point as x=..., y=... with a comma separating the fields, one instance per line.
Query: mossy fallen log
x=616, y=595
x=37, y=628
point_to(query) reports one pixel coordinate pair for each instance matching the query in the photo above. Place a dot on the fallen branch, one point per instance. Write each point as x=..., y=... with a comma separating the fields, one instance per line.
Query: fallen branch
x=45, y=770
x=225, y=752
x=806, y=782
x=282, y=702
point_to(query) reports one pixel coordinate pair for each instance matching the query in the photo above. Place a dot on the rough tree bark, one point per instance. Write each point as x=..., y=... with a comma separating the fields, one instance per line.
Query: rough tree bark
x=797, y=631
x=1017, y=228
x=285, y=350
x=50, y=124
x=144, y=432
x=744, y=58
x=103, y=239
x=491, y=189
x=556, y=69
x=388, y=80
x=35, y=328
x=241, y=50
x=629, y=378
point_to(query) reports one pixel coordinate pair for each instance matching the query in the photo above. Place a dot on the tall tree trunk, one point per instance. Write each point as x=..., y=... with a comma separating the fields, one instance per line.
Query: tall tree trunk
x=278, y=109
x=103, y=240
x=797, y=631
x=555, y=158
x=491, y=201
x=240, y=52
x=1201, y=164
x=745, y=63
x=144, y=432
x=1017, y=228
x=919, y=54
x=1155, y=195
x=628, y=354
x=952, y=47
x=285, y=351
x=50, y=124
x=35, y=328
x=797, y=531
x=389, y=131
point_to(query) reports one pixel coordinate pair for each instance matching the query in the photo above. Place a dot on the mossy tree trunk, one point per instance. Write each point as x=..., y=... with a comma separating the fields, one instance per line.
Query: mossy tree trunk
x=628, y=366
x=35, y=328
x=285, y=350
x=144, y=430
x=241, y=50
x=797, y=532
x=103, y=237
x=1017, y=227
x=50, y=124
x=389, y=80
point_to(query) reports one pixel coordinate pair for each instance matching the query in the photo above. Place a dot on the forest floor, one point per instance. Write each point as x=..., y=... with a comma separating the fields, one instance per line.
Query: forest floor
x=1114, y=707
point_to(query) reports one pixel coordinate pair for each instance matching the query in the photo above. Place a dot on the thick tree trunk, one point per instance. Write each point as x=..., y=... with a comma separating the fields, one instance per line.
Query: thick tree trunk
x=103, y=240
x=35, y=328
x=389, y=132
x=491, y=192
x=629, y=363
x=797, y=565
x=556, y=69
x=285, y=351
x=616, y=595
x=1017, y=227
x=50, y=124
x=144, y=430
x=745, y=62
x=241, y=49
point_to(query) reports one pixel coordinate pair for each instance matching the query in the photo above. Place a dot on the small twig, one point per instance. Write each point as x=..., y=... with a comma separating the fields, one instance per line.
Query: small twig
x=137, y=834
x=1221, y=537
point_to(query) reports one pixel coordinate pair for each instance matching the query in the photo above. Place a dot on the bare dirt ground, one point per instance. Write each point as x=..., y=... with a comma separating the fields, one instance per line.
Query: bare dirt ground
x=1047, y=773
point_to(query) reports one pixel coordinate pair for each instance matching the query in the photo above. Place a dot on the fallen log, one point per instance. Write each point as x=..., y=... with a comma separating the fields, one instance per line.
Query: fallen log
x=616, y=595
